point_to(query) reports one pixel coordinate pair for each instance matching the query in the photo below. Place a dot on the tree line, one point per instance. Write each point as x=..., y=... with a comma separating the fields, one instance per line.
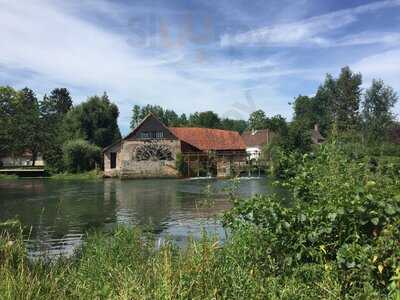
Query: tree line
x=206, y=119
x=64, y=133
x=339, y=107
x=55, y=128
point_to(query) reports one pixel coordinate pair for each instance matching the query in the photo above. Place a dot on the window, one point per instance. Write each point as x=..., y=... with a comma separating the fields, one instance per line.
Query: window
x=145, y=135
x=152, y=135
x=113, y=160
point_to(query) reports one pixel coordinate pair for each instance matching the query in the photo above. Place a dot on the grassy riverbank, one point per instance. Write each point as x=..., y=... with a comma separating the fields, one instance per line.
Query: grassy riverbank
x=338, y=239
x=126, y=265
x=7, y=177
x=90, y=175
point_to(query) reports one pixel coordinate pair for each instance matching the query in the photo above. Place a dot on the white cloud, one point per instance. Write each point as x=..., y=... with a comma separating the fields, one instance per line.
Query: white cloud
x=308, y=32
x=383, y=66
x=57, y=46
x=47, y=44
x=368, y=38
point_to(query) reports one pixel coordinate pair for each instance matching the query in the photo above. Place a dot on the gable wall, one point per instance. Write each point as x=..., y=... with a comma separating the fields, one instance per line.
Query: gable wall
x=151, y=124
x=133, y=168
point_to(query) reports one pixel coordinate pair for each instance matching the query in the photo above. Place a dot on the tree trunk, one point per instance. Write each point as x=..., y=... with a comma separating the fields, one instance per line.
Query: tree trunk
x=34, y=157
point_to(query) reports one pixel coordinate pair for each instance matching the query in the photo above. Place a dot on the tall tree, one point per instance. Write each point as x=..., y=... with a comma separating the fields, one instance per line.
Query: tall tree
x=171, y=118
x=378, y=102
x=53, y=109
x=154, y=109
x=313, y=110
x=347, y=102
x=136, y=116
x=94, y=120
x=207, y=119
x=257, y=120
x=277, y=124
x=7, y=121
x=183, y=121
x=28, y=126
x=235, y=125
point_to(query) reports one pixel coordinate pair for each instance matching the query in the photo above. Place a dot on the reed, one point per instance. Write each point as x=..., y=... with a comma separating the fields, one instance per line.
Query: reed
x=127, y=265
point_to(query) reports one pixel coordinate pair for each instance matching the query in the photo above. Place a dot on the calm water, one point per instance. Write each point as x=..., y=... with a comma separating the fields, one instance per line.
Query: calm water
x=58, y=213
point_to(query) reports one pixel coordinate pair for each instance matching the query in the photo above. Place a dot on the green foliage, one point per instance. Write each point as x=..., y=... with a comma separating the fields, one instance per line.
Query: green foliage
x=343, y=213
x=235, y=125
x=29, y=125
x=81, y=156
x=126, y=265
x=347, y=101
x=90, y=175
x=53, y=110
x=7, y=112
x=207, y=119
x=8, y=177
x=378, y=101
x=180, y=164
x=23, y=126
x=309, y=111
x=257, y=120
x=94, y=120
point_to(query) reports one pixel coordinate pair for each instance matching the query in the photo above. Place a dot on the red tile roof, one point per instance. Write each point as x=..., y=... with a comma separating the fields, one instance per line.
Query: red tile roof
x=209, y=139
x=256, y=138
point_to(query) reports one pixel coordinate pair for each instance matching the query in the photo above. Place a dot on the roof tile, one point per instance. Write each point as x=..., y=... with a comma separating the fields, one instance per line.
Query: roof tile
x=209, y=139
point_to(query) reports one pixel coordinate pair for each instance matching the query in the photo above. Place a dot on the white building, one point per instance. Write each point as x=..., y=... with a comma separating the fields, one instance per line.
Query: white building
x=255, y=140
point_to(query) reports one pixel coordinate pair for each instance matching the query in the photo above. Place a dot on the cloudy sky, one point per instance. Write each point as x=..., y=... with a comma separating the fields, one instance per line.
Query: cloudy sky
x=230, y=56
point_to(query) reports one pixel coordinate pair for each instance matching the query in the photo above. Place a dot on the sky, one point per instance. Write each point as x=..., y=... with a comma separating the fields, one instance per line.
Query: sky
x=229, y=56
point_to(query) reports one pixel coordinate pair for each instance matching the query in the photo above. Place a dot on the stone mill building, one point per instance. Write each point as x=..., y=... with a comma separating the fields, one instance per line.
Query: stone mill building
x=155, y=150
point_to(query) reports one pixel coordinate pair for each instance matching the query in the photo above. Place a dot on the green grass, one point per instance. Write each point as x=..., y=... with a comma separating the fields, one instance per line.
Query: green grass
x=7, y=177
x=91, y=175
x=126, y=265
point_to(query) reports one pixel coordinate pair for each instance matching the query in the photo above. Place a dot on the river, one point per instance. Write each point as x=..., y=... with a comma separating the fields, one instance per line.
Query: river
x=56, y=214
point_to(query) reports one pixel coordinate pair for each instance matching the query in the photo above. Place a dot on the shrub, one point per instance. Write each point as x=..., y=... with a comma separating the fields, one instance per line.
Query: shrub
x=80, y=156
x=180, y=164
x=53, y=157
x=343, y=215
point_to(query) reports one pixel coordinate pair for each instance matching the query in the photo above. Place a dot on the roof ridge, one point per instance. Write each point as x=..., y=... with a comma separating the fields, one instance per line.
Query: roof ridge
x=204, y=128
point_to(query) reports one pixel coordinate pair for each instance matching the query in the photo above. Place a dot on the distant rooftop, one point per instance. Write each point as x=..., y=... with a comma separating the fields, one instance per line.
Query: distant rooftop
x=256, y=138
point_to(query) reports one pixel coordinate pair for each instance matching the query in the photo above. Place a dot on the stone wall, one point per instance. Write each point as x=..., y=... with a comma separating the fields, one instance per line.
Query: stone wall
x=108, y=172
x=129, y=166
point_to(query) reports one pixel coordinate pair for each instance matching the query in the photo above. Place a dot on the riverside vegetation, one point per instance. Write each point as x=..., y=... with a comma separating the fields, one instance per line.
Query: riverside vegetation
x=337, y=237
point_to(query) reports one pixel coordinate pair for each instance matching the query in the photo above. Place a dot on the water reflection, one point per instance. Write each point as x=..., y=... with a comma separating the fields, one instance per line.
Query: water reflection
x=57, y=214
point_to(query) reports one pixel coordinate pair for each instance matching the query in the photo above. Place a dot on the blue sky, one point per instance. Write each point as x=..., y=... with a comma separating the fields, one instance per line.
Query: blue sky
x=229, y=56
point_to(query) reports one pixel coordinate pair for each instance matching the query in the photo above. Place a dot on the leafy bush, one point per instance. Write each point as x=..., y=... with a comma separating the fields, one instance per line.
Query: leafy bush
x=53, y=157
x=80, y=156
x=344, y=215
x=180, y=164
